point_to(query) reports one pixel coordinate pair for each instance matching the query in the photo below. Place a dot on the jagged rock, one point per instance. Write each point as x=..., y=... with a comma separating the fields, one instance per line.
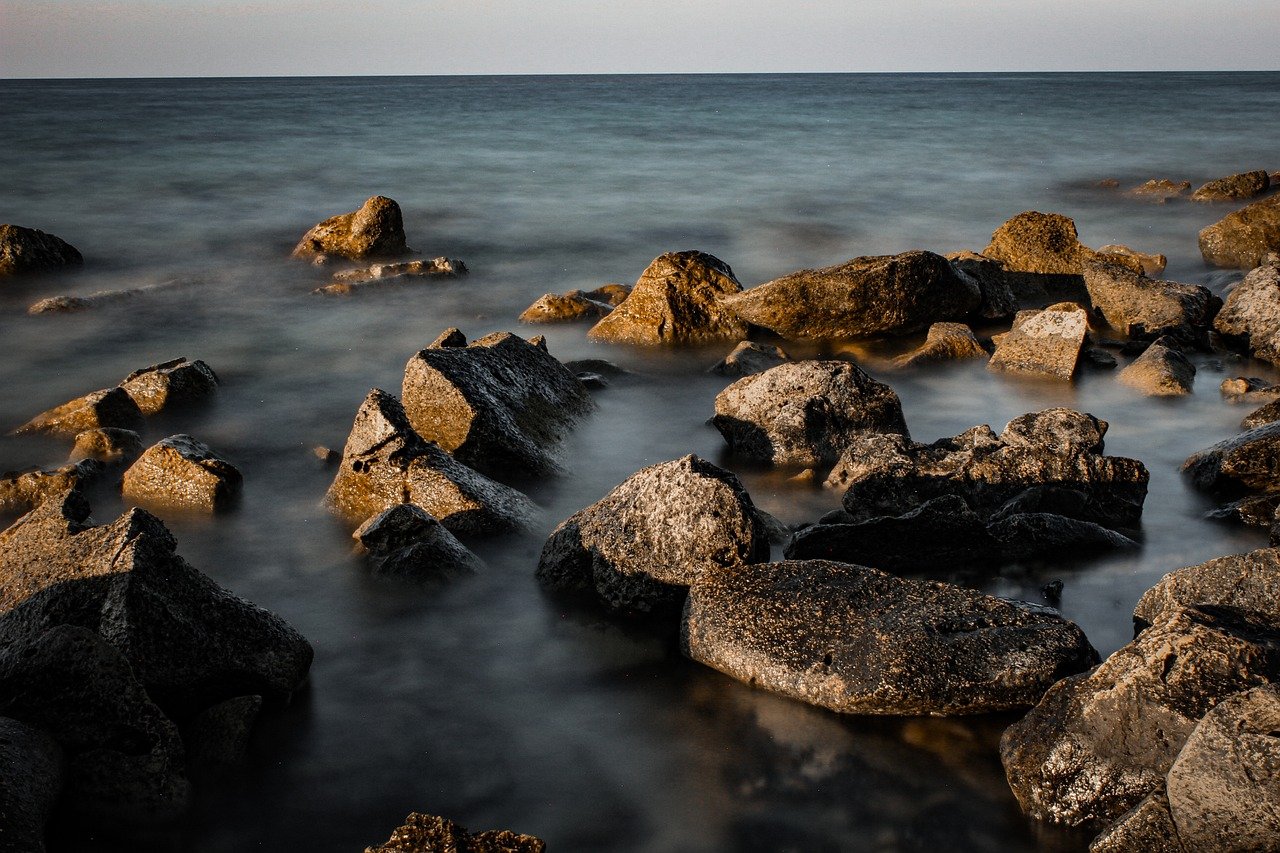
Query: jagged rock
x=564, y=308
x=385, y=463
x=679, y=299
x=1251, y=313
x=661, y=529
x=27, y=490
x=1270, y=413
x=1161, y=371
x=1042, y=243
x=1245, y=581
x=1234, y=187
x=1249, y=461
x=945, y=342
x=219, y=735
x=110, y=407
x=1142, y=308
x=375, y=230
x=1241, y=240
x=856, y=640
x=407, y=541
x=1001, y=291
x=864, y=297
x=500, y=404
x=748, y=358
x=378, y=275
x=1146, y=828
x=31, y=771
x=181, y=472
x=108, y=445
x=1043, y=343
x=804, y=413
x=26, y=250
x=171, y=383
x=1098, y=743
x=1163, y=189
x=423, y=833
x=1152, y=264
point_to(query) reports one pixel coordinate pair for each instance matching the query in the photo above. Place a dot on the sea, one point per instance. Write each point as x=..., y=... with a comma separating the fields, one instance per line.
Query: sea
x=485, y=700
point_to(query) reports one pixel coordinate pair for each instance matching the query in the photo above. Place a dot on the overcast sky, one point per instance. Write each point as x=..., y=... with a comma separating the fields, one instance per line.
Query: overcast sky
x=127, y=38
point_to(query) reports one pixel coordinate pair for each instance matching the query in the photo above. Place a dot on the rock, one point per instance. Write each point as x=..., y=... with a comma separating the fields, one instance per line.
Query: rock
x=679, y=299
x=1052, y=591
x=1254, y=510
x=1250, y=316
x=1248, y=389
x=1163, y=189
x=1224, y=789
x=423, y=833
x=407, y=541
x=641, y=545
x=1152, y=264
x=1240, y=240
x=748, y=358
x=1243, y=581
x=1043, y=343
x=354, y=281
x=110, y=407
x=612, y=294
x=564, y=308
x=26, y=250
x=68, y=303
x=31, y=771
x=1001, y=291
x=1042, y=243
x=327, y=456
x=450, y=337
x=500, y=404
x=183, y=473
x=1245, y=462
x=219, y=735
x=599, y=366
x=375, y=230
x=1161, y=371
x=864, y=297
x=1234, y=187
x=945, y=342
x=1100, y=742
x=25, y=491
x=108, y=445
x=804, y=413
x=1098, y=359
x=1142, y=308
x=1146, y=828
x=172, y=383
x=385, y=463
x=859, y=641
x=1270, y=413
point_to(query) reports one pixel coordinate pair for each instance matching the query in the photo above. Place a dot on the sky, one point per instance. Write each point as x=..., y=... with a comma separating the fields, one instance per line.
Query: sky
x=194, y=38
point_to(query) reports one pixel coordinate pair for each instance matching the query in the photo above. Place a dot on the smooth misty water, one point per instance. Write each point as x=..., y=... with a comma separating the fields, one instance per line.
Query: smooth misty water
x=486, y=701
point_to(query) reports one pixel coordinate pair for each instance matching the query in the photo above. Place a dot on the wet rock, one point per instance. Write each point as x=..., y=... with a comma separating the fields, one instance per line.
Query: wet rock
x=327, y=455
x=1249, y=461
x=1270, y=413
x=856, y=640
x=407, y=541
x=27, y=490
x=1098, y=743
x=31, y=770
x=864, y=297
x=181, y=472
x=679, y=299
x=641, y=545
x=1098, y=359
x=500, y=404
x=1251, y=314
x=219, y=735
x=110, y=407
x=1234, y=187
x=1248, y=389
x=612, y=294
x=423, y=833
x=1043, y=343
x=375, y=230
x=172, y=383
x=1142, y=308
x=1042, y=243
x=26, y=250
x=564, y=308
x=1161, y=371
x=1162, y=189
x=385, y=463
x=108, y=445
x=945, y=342
x=379, y=275
x=1240, y=240
x=1244, y=581
x=1001, y=291
x=1152, y=264
x=748, y=358
x=1146, y=828
x=1254, y=510
x=450, y=337
x=804, y=413
x=69, y=304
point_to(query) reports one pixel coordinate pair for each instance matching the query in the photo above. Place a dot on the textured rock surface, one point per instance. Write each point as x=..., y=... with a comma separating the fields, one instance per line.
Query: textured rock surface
x=423, y=833
x=1161, y=371
x=1142, y=308
x=26, y=250
x=1234, y=187
x=1251, y=313
x=1270, y=413
x=748, y=358
x=385, y=463
x=679, y=299
x=1146, y=828
x=375, y=230
x=856, y=640
x=27, y=490
x=1043, y=243
x=500, y=404
x=378, y=275
x=181, y=472
x=108, y=445
x=804, y=413
x=1001, y=290
x=171, y=383
x=1249, y=461
x=1162, y=189
x=945, y=342
x=1241, y=239
x=575, y=305
x=1247, y=581
x=1152, y=264
x=864, y=297
x=1043, y=343
x=661, y=529
x=31, y=769
x=407, y=541
x=110, y=407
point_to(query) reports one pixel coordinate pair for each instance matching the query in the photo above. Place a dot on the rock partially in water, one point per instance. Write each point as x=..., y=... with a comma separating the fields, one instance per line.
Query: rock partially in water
x=110, y=407
x=859, y=641
x=178, y=382
x=1251, y=314
x=805, y=413
x=1142, y=308
x=1240, y=240
x=108, y=445
x=660, y=530
x=354, y=281
x=944, y=342
x=680, y=299
x=375, y=230
x=31, y=778
x=1270, y=413
x=1245, y=581
x=183, y=473
x=70, y=304
x=1152, y=264
x=407, y=541
x=1245, y=185
x=1002, y=291
x=1146, y=828
x=1248, y=389
x=27, y=250
x=748, y=358
x=1042, y=243
x=864, y=297
x=1043, y=343
x=564, y=308
x=1162, y=189
x=1246, y=462
x=1161, y=371
x=25, y=491
x=500, y=404
x=424, y=833
x=219, y=735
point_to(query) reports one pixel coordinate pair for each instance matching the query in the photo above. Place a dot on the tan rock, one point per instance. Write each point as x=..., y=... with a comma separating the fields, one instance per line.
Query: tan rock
x=424, y=833
x=1241, y=240
x=945, y=342
x=108, y=445
x=176, y=382
x=1152, y=264
x=1234, y=187
x=375, y=230
x=1046, y=343
x=1162, y=189
x=26, y=250
x=110, y=407
x=567, y=307
x=184, y=473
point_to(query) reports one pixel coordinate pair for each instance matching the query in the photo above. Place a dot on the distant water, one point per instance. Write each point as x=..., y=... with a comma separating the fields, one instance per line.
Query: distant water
x=485, y=701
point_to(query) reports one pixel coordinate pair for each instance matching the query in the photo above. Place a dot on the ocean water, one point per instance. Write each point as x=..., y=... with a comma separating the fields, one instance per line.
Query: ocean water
x=487, y=701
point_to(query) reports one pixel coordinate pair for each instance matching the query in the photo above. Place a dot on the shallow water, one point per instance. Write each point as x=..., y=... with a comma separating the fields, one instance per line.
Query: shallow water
x=486, y=701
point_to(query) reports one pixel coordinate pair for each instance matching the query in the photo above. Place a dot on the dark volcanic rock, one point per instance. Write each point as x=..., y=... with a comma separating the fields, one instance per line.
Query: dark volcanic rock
x=31, y=770
x=1240, y=240
x=1161, y=371
x=219, y=735
x=748, y=358
x=1251, y=314
x=1234, y=187
x=856, y=640
x=375, y=230
x=423, y=833
x=864, y=297
x=945, y=342
x=661, y=529
x=26, y=250
x=27, y=490
x=1245, y=581
x=679, y=299
x=171, y=383
x=407, y=541
x=385, y=463
x=108, y=445
x=1142, y=308
x=1043, y=343
x=804, y=413
x=181, y=472
x=1249, y=461
x=499, y=404
x=110, y=407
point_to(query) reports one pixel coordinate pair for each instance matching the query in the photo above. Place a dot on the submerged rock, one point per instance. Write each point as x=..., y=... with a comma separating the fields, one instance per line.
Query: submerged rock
x=171, y=383
x=1044, y=343
x=1251, y=314
x=219, y=735
x=108, y=445
x=575, y=305
x=378, y=275
x=1244, y=581
x=184, y=473
x=31, y=778
x=945, y=342
x=69, y=304
x=110, y=407
x=423, y=833
x=375, y=230
x=1163, y=189
x=27, y=490
x=1142, y=308
x=26, y=250
x=1234, y=187
x=748, y=358
x=1240, y=240
x=1249, y=461
x=408, y=541
x=1161, y=371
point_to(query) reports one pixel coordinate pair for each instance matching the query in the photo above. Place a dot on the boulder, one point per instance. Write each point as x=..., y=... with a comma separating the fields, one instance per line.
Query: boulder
x=1001, y=290
x=1142, y=308
x=26, y=250
x=748, y=358
x=172, y=383
x=1162, y=189
x=1250, y=316
x=1270, y=413
x=679, y=299
x=1100, y=742
x=108, y=445
x=385, y=463
x=1244, y=581
x=1249, y=461
x=1161, y=371
x=1234, y=187
x=660, y=530
x=27, y=490
x=1042, y=243
x=110, y=407
x=945, y=342
x=804, y=413
x=564, y=308
x=500, y=404
x=864, y=297
x=1152, y=264
x=856, y=640
x=31, y=771
x=407, y=541
x=424, y=833
x=353, y=281
x=1146, y=828
x=375, y=230
x=1240, y=240
x=1043, y=343
x=219, y=735
x=182, y=473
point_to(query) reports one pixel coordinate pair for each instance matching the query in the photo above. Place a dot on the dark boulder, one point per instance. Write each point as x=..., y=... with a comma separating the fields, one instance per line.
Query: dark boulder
x=1240, y=240
x=26, y=250
x=1146, y=828
x=1245, y=581
x=182, y=473
x=748, y=358
x=375, y=230
x=1251, y=314
x=31, y=771
x=1161, y=371
x=110, y=407
x=1142, y=308
x=172, y=383
x=407, y=541
x=219, y=735
x=1270, y=413
x=1001, y=291
x=944, y=342
x=1248, y=462
x=1043, y=343
x=424, y=833
x=1234, y=187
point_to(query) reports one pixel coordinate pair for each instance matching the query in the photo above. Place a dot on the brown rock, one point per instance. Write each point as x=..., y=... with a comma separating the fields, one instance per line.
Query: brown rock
x=1002, y=291
x=1044, y=243
x=26, y=250
x=181, y=472
x=1161, y=371
x=1244, y=581
x=27, y=490
x=171, y=383
x=378, y=275
x=375, y=230
x=1146, y=828
x=1241, y=240
x=1044, y=343
x=1152, y=265
x=748, y=358
x=108, y=445
x=423, y=833
x=1234, y=187
x=1250, y=316
x=1162, y=189
x=945, y=342
x=1270, y=413
x=110, y=407
x=1142, y=308
x=1249, y=461
x=564, y=308
x=612, y=294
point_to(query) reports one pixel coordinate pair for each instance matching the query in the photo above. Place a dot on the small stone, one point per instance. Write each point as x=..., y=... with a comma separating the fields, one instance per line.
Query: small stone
x=1044, y=343
x=423, y=833
x=564, y=308
x=1161, y=371
x=327, y=455
x=27, y=490
x=1142, y=308
x=111, y=407
x=1270, y=413
x=944, y=342
x=171, y=383
x=1098, y=359
x=181, y=472
x=1163, y=189
x=1042, y=243
x=1052, y=591
x=1152, y=264
x=380, y=275
x=1251, y=314
x=108, y=445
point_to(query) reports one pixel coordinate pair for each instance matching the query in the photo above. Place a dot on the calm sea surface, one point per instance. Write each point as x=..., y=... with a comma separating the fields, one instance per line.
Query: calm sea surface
x=486, y=701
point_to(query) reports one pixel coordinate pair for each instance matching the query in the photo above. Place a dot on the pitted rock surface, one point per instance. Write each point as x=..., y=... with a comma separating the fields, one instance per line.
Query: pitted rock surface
x=184, y=473
x=27, y=250
x=407, y=541
x=1248, y=462
x=1241, y=240
x=31, y=779
x=1246, y=581
x=1143, y=308
x=1043, y=343
x=375, y=230
x=1251, y=314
